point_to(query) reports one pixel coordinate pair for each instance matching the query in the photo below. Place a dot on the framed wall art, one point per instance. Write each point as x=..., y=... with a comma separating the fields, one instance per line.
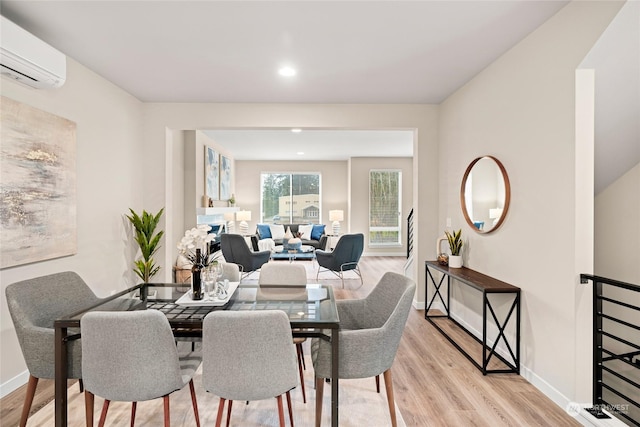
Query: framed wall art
x=211, y=173
x=225, y=178
x=37, y=185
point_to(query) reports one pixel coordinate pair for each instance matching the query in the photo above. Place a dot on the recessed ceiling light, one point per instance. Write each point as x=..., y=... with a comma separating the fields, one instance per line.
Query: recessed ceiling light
x=287, y=72
x=300, y=153
x=296, y=130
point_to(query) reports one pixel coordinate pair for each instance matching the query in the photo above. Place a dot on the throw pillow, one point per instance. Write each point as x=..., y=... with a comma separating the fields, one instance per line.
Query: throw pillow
x=305, y=231
x=277, y=231
x=264, y=231
x=317, y=231
x=267, y=245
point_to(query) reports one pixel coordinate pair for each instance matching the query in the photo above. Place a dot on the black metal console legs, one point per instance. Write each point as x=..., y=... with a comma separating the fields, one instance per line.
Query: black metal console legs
x=487, y=286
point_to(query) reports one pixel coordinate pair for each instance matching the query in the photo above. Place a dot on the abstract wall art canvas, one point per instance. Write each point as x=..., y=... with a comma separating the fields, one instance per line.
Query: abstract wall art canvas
x=211, y=173
x=37, y=185
x=225, y=178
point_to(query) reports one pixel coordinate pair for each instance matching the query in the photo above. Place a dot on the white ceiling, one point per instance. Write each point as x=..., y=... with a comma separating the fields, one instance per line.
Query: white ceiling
x=229, y=51
x=314, y=144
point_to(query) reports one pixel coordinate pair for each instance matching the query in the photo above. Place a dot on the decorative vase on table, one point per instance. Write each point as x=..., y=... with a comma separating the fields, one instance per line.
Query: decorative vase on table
x=285, y=240
x=294, y=244
x=196, y=277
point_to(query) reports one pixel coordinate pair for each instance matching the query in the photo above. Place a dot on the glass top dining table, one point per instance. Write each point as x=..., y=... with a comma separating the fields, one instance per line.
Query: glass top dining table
x=311, y=309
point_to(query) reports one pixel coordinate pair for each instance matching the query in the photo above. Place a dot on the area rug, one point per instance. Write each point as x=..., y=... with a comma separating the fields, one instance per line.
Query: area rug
x=359, y=405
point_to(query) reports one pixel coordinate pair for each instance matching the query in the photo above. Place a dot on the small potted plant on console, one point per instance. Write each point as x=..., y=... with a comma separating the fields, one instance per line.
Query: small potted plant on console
x=455, y=244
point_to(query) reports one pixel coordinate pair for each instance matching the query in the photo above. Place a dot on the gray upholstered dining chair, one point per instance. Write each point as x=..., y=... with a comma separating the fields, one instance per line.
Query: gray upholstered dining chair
x=230, y=271
x=344, y=257
x=287, y=274
x=257, y=360
x=130, y=356
x=235, y=250
x=34, y=304
x=370, y=332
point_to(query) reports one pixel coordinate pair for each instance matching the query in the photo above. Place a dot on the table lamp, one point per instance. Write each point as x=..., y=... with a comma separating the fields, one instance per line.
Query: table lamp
x=243, y=217
x=495, y=214
x=336, y=216
x=229, y=217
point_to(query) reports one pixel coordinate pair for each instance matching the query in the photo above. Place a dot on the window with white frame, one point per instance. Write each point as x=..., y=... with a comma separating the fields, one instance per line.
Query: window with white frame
x=290, y=198
x=385, y=201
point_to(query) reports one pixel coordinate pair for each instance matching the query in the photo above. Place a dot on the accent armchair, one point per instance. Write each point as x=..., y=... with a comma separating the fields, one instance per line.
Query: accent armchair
x=236, y=250
x=344, y=257
x=34, y=304
x=370, y=332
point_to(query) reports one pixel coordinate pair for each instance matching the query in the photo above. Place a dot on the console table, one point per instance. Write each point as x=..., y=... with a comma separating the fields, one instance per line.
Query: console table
x=485, y=285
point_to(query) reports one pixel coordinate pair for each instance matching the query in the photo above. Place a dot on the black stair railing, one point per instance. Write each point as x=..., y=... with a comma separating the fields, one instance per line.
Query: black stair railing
x=410, y=234
x=616, y=349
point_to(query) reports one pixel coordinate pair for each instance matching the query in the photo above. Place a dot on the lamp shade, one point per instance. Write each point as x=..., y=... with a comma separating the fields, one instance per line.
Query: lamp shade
x=229, y=216
x=495, y=213
x=336, y=215
x=243, y=216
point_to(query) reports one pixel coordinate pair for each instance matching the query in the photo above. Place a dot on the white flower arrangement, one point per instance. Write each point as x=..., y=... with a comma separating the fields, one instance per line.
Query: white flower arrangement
x=197, y=238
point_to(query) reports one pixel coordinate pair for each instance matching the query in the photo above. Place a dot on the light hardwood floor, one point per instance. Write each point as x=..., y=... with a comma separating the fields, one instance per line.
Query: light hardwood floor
x=434, y=384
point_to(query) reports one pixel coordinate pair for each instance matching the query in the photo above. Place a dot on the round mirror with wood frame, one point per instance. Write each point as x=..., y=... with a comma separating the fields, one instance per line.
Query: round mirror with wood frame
x=485, y=194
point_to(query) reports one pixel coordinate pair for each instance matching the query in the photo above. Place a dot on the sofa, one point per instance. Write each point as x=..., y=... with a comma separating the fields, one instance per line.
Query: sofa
x=313, y=234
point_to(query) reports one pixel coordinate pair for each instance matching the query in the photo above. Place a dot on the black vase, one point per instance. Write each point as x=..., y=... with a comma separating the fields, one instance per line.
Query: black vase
x=196, y=277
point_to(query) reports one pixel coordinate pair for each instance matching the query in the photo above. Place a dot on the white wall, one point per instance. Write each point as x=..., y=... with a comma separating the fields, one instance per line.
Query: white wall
x=617, y=229
x=521, y=110
x=109, y=181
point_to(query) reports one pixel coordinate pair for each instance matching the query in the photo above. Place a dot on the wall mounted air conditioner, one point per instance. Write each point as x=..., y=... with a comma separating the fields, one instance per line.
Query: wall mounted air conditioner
x=29, y=60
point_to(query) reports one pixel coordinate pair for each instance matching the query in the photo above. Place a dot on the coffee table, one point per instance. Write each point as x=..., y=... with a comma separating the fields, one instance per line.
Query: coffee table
x=306, y=252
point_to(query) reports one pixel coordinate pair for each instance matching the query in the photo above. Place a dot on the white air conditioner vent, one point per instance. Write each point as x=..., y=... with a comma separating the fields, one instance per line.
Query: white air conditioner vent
x=29, y=60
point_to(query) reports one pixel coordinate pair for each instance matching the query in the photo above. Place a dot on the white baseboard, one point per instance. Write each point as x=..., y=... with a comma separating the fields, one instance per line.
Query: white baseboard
x=14, y=383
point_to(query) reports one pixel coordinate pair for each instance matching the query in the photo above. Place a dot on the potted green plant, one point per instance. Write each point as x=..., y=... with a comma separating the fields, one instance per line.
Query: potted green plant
x=232, y=201
x=144, y=226
x=455, y=245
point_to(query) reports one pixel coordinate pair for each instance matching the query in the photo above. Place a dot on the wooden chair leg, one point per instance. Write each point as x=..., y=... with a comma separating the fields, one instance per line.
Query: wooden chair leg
x=280, y=411
x=290, y=408
x=304, y=393
x=300, y=351
x=229, y=412
x=388, y=383
x=194, y=403
x=103, y=414
x=134, y=407
x=89, y=400
x=167, y=411
x=319, y=395
x=28, y=399
x=220, y=411
x=378, y=383
x=81, y=385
